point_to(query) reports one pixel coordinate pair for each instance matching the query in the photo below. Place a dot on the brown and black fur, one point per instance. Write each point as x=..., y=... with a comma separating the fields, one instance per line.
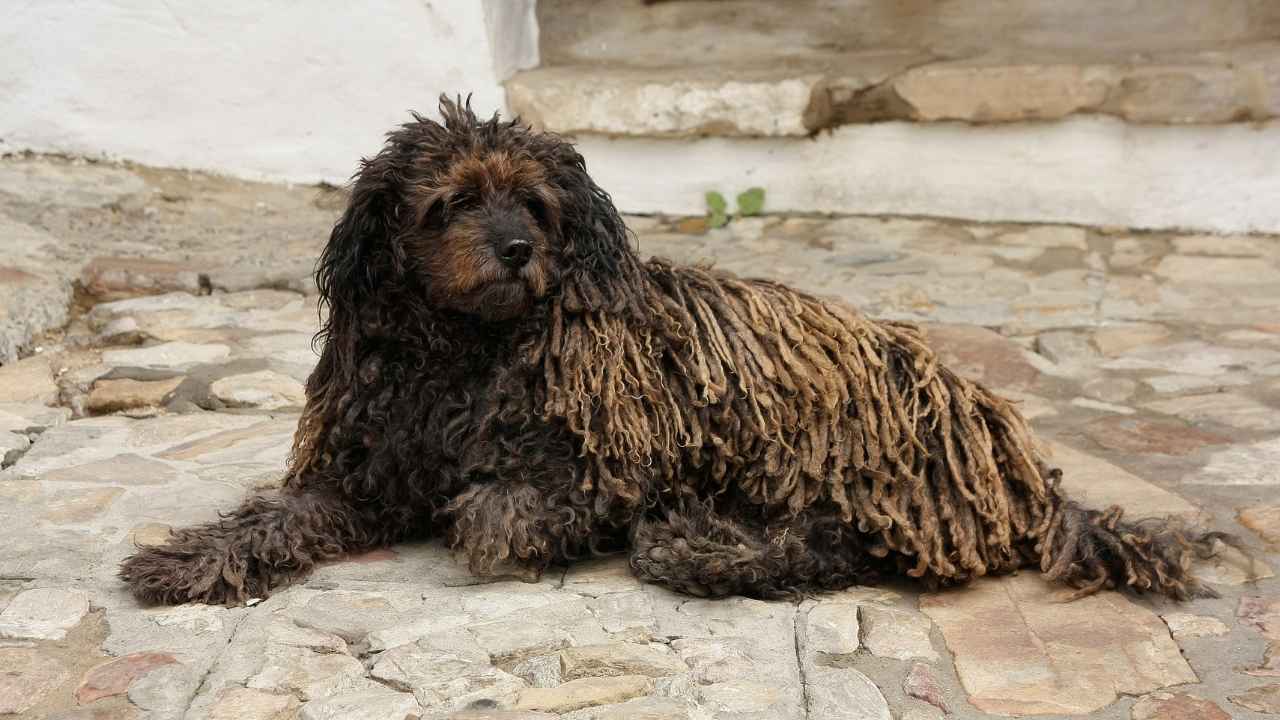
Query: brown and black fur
x=736, y=436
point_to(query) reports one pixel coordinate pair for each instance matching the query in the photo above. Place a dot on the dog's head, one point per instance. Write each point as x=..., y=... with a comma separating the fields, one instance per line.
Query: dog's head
x=480, y=218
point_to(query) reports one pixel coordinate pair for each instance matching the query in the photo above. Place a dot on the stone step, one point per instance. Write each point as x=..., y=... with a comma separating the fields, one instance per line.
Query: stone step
x=744, y=68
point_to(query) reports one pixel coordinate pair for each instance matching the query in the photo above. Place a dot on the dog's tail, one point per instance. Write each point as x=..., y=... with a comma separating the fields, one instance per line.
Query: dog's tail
x=1093, y=550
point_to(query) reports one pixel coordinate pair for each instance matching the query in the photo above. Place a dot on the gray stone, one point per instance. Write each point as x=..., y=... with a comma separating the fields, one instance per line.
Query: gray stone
x=404, y=633
x=12, y=446
x=126, y=469
x=645, y=708
x=1222, y=245
x=1254, y=464
x=168, y=356
x=583, y=692
x=1229, y=566
x=1115, y=340
x=619, y=659
x=35, y=288
x=1194, y=358
x=626, y=615
x=43, y=614
x=715, y=661
x=1065, y=348
x=292, y=348
x=635, y=102
x=164, y=691
x=1185, y=626
x=1176, y=384
x=1230, y=409
x=897, y=634
x=832, y=628
x=75, y=185
x=540, y=671
x=30, y=418
x=1216, y=270
x=1110, y=389
x=510, y=639
x=351, y=615
x=1098, y=483
x=842, y=693
x=250, y=704
x=265, y=389
x=306, y=673
x=448, y=670
x=596, y=578
x=1090, y=404
x=378, y=704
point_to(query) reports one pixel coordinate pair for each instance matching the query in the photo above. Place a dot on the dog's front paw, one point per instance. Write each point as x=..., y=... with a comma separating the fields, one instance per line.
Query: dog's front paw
x=176, y=574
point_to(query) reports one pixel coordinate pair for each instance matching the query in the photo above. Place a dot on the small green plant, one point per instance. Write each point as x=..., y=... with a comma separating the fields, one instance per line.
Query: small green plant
x=717, y=210
x=750, y=202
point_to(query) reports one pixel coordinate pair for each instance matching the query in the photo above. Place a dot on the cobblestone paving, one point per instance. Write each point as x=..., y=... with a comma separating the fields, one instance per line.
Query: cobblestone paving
x=165, y=322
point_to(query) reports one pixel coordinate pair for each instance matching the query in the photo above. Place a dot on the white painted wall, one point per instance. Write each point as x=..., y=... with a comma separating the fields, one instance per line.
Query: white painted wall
x=285, y=89
x=1086, y=170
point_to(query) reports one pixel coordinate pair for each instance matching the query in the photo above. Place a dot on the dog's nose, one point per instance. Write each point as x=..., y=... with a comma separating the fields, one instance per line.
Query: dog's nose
x=515, y=253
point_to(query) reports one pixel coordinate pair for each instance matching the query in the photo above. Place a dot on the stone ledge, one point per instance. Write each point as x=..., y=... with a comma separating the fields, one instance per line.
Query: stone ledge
x=781, y=97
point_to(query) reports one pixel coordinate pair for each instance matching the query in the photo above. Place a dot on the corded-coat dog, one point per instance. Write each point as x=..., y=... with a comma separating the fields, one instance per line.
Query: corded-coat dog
x=502, y=370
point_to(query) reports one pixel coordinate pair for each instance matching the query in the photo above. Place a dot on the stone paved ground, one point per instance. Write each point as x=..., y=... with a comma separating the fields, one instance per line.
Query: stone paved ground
x=165, y=323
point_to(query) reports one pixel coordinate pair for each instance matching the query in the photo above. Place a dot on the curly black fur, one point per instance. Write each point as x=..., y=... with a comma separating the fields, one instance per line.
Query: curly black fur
x=739, y=436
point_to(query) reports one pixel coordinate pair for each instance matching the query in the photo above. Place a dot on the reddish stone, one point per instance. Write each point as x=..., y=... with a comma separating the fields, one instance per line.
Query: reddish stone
x=1264, y=520
x=14, y=276
x=1177, y=706
x=982, y=355
x=1261, y=614
x=1263, y=699
x=921, y=684
x=114, y=677
x=112, y=276
x=1138, y=435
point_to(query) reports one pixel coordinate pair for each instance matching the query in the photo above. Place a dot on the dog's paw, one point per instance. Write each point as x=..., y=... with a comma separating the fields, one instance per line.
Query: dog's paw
x=172, y=575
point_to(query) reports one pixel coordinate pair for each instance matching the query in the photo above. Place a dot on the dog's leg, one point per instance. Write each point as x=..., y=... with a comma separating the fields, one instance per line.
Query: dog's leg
x=267, y=541
x=500, y=524
x=698, y=552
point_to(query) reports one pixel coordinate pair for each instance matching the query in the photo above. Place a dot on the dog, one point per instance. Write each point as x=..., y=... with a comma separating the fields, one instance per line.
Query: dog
x=500, y=369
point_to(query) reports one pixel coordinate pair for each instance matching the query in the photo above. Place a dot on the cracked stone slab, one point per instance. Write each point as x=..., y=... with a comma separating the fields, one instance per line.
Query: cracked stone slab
x=1018, y=648
x=28, y=381
x=1252, y=464
x=637, y=102
x=376, y=704
x=27, y=678
x=898, y=634
x=168, y=356
x=1100, y=484
x=43, y=614
x=446, y=670
x=35, y=290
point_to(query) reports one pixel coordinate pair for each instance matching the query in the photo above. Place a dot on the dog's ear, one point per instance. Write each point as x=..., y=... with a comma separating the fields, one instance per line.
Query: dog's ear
x=353, y=263
x=602, y=265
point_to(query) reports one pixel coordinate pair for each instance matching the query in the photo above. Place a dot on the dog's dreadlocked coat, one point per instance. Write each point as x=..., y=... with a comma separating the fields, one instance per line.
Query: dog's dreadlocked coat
x=501, y=369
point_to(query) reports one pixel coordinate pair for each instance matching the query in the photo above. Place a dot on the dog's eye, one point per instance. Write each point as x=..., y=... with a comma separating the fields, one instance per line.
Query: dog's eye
x=437, y=215
x=538, y=210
